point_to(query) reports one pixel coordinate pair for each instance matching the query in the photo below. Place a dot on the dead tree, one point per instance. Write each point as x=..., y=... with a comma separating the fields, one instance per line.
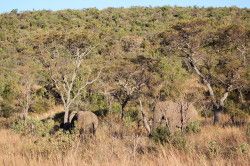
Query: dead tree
x=68, y=80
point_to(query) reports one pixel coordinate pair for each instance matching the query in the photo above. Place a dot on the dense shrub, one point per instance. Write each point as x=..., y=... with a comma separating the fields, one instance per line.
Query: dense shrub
x=96, y=102
x=33, y=127
x=179, y=141
x=213, y=148
x=41, y=105
x=193, y=127
x=132, y=115
x=6, y=109
x=243, y=148
x=161, y=135
x=122, y=35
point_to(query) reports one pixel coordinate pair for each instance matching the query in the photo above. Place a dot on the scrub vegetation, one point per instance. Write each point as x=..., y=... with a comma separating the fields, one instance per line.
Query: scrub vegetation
x=122, y=86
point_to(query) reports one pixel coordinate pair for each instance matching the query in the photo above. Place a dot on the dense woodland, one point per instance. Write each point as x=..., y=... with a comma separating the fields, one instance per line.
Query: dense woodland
x=124, y=64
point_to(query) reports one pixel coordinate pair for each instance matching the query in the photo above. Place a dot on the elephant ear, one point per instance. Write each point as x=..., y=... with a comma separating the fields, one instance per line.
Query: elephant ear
x=72, y=115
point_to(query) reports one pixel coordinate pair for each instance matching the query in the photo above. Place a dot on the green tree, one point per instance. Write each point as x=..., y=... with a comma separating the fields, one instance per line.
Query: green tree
x=213, y=55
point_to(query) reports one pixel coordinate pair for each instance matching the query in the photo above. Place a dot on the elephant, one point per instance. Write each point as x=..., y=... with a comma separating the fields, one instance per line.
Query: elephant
x=87, y=122
x=175, y=115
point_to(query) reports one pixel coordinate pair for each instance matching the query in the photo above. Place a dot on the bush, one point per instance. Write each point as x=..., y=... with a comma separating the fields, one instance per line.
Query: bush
x=178, y=140
x=33, y=127
x=116, y=107
x=244, y=148
x=132, y=115
x=97, y=102
x=6, y=110
x=193, y=127
x=213, y=148
x=41, y=105
x=161, y=135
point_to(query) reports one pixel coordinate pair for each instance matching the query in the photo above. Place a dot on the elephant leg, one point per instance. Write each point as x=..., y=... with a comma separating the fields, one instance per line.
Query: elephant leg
x=82, y=134
x=94, y=129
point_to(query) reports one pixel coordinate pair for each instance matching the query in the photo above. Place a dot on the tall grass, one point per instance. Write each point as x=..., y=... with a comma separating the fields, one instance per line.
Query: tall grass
x=118, y=145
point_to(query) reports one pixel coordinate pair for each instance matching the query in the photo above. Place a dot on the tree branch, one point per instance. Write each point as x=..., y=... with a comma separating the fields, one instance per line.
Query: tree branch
x=211, y=92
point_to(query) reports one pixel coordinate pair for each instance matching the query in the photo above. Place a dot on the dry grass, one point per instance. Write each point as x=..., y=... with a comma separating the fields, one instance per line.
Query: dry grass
x=50, y=113
x=212, y=146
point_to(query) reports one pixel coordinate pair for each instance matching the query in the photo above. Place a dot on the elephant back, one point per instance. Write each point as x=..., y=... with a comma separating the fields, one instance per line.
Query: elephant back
x=87, y=120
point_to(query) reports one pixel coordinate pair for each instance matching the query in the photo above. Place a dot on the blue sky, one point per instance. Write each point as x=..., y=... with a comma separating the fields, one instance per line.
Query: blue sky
x=22, y=5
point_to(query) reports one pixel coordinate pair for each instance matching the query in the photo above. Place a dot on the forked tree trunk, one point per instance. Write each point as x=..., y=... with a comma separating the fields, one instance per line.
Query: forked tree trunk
x=218, y=108
x=217, y=105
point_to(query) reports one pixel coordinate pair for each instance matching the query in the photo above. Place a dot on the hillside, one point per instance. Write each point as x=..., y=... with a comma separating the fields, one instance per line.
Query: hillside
x=165, y=83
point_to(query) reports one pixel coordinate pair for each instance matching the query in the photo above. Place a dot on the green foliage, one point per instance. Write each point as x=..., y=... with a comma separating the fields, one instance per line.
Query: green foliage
x=6, y=109
x=161, y=135
x=7, y=88
x=179, y=141
x=33, y=127
x=132, y=114
x=235, y=109
x=116, y=107
x=193, y=127
x=32, y=39
x=173, y=75
x=42, y=101
x=41, y=105
x=213, y=148
x=97, y=102
x=244, y=148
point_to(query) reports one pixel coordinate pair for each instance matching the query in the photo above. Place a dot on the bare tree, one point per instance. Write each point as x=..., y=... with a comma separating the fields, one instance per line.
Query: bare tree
x=69, y=78
x=26, y=97
x=28, y=84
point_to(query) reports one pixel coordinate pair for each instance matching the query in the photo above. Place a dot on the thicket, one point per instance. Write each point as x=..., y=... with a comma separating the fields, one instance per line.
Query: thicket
x=157, y=43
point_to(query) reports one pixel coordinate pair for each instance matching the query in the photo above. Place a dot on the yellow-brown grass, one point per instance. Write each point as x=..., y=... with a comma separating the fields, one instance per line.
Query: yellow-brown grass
x=110, y=148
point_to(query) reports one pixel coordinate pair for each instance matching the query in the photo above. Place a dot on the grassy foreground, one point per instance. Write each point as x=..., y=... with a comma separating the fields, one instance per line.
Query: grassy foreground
x=213, y=145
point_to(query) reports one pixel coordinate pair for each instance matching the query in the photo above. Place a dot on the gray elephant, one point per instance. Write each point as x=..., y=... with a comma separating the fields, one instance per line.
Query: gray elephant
x=176, y=115
x=86, y=121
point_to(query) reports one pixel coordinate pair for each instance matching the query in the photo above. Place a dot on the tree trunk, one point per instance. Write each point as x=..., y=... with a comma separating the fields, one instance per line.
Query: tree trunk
x=123, y=108
x=241, y=97
x=122, y=112
x=144, y=118
x=25, y=113
x=218, y=108
x=66, y=115
x=217, y=113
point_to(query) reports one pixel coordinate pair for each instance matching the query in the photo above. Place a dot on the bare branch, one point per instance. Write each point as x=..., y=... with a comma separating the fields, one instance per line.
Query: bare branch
x=144, y=118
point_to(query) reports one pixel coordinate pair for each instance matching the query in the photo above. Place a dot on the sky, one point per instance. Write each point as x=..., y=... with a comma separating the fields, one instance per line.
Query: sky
x=23, y=5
